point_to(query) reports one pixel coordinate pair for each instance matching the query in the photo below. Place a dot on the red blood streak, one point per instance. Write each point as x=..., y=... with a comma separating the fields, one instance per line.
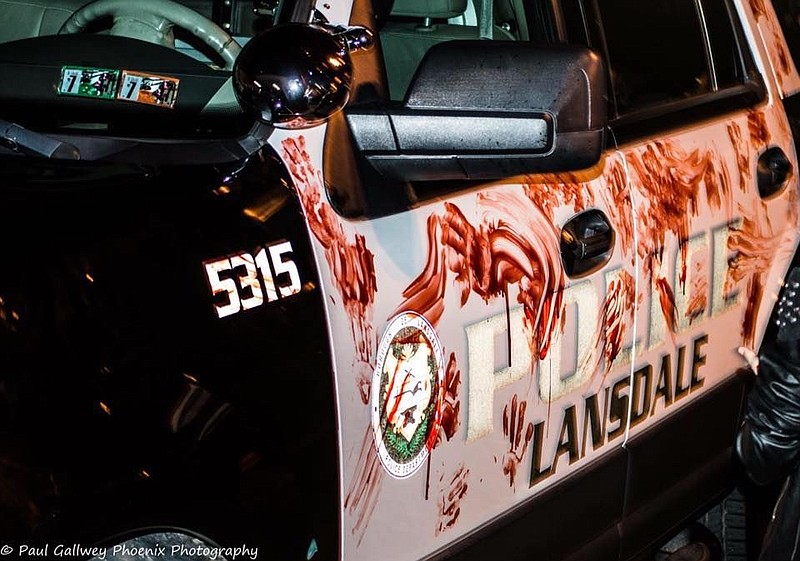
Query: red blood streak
x=619, y=302
x=450, y=499
x=758, y=7
x=667, y=300
x=352, y=270
x=618, y=204
x=391, y=417
x=551, y=191
x=521, y=419
x=742, y=151
x=362, y=494
x=758, y=129
x=755, y=245
x=514, y=243
x=755, y=291
x=672, y=180
x=351, y=263
x=513, y=426
x=775, y=37
x=698, y=295
x=784, y=62
x=510, y=431
x=519, y=244
x=451, y=407
x=425, y=294
x=610, y=332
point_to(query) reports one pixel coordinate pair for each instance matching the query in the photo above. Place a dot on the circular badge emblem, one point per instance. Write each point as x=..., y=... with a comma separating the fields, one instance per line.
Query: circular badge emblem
x=406, y=395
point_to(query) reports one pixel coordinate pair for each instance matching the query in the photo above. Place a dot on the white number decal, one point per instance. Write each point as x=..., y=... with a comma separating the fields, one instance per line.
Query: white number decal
x=219, y=285
x=241, y=277
x=282, y=265
x=262, y=262
x=249, y=281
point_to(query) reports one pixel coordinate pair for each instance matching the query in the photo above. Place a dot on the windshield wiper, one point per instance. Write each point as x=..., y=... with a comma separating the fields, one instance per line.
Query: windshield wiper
x=24, y=141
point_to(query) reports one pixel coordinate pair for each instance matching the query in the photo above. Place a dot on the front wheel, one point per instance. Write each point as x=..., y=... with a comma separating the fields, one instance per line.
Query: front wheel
x=169, y=545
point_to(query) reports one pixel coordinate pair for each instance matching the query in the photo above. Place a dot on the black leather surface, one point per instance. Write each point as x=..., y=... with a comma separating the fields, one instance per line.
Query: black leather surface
x=768, y=443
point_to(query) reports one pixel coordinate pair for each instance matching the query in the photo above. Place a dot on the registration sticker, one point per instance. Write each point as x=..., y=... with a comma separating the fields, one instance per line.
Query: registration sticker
x=89, y=82
x=151, y=89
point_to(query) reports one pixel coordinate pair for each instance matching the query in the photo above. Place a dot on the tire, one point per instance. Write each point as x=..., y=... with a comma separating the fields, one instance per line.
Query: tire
x=728, y=523
x=163, y=545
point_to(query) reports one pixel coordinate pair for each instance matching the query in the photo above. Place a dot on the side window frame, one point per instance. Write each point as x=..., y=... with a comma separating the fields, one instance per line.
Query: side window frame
x=675, y=113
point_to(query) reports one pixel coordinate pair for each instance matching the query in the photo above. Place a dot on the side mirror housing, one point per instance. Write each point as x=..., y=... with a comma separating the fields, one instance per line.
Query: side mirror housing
x=488, y=110
x=298, y=75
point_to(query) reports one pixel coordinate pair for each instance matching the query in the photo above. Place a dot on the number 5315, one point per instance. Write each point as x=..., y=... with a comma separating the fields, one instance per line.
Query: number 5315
x=246, y=280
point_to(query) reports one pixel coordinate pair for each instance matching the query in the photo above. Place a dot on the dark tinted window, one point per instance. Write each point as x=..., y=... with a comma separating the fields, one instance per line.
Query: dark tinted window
x=656, y=51
x=575, y=22
x=543, y=28
x=726, y=56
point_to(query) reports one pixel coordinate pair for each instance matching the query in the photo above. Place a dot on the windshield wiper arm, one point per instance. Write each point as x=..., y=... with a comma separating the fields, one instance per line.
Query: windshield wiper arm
x=19, y=139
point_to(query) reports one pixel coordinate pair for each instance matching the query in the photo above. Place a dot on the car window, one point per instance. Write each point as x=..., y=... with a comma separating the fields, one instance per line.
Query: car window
x=657, y=59
x=414, y=26
x=679, y=52
x=92, y=73
x=575, y=22
x=726, y=57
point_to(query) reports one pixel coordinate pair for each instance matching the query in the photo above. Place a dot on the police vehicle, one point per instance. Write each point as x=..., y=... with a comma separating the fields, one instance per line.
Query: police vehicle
x=356, y=280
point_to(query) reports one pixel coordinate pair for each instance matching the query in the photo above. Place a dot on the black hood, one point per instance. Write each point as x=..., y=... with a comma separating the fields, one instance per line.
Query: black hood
x=121, y=384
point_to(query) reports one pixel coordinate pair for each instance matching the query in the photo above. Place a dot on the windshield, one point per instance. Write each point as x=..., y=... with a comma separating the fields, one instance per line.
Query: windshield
x=144, y=81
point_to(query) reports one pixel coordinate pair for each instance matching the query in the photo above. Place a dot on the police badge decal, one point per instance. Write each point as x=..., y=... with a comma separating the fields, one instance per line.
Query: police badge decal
x=406, y=395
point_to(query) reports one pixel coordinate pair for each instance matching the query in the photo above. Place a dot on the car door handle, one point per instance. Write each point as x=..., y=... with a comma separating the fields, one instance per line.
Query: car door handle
x=772, y=172
x=587, y=242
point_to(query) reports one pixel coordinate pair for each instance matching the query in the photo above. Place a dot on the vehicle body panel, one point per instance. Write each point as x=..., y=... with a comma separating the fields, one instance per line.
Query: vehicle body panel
x=772, y=44
x=696, y=208
x=414, y=261
x=122, y=385
x=238, y=344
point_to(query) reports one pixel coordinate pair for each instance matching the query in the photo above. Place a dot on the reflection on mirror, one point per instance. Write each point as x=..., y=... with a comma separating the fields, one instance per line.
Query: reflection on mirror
x=298, y=75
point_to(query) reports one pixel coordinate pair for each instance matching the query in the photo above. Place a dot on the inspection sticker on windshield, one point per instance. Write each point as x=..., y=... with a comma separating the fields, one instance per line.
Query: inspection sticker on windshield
x=89, y=82
x=151, y=89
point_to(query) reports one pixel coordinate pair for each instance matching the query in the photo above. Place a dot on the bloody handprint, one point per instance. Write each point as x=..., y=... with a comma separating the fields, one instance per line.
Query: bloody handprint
x=450, y=499
x=514, y=429
x=520, y=248
x=351, y=263
x=451, y=405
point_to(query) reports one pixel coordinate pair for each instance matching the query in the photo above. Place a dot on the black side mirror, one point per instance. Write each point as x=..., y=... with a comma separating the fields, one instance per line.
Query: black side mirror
x=484, y=110
x=297, y=75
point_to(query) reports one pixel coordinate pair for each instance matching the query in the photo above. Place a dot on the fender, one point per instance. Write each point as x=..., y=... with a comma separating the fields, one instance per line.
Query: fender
x=126, y=398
